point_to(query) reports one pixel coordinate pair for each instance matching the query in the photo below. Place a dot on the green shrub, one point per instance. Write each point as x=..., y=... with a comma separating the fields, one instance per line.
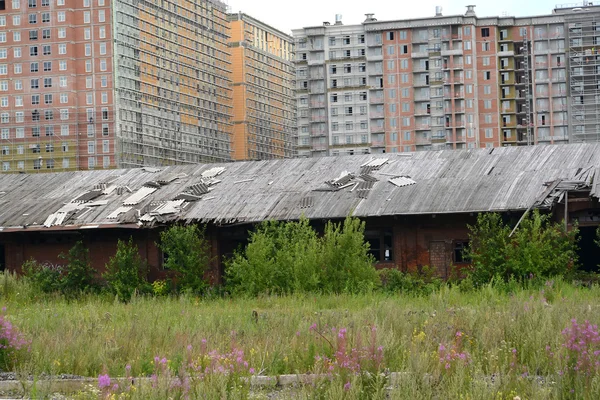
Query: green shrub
x=347, y=263
x=539, y=248
x=160, y=287
x=43, y=276
x=188, y=255
x=288, y=257
x=281, y=257
x=70, y=279
x=422, y=282
x=126, y=271
x=78, y=275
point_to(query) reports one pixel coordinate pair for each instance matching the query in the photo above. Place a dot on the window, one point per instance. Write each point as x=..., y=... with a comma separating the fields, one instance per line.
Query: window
x=487, y=104
x=33, y=51
x=88, y=82
x=45, y=17
x=34, y=67
x=4, y=101
x=102, y=32
x=487, y=89
x=16, y=20
x=488, y=118
x=64, y=130
x=103, y=64
x=35, y=132
x=20, y=134
x=389, y=35
x=62, y=33
x=348, y=110
x=16, y=36
x=489, y=133
x=485, y=61
x=101, y=16
x=91, y=147
x=91, y=162
x=18, y=101
x=105, y=114
x=64, y=114
x=487, y=75
x=62, y=65
x=62, y=48
x=3, y=86
x=88, y=49
x=46, y=49
x=46, y=34
x=380, y=244
x=62, y=81
x=390, y=50
x=404, y=49
x=485, y=46
x=47, y=65
x=461, y=254
x=33, y=18
x=49, y=132
x=104, y=97
x=61, y=16
x=64, y=98
x=65, y=147
x=469, y=60
x=485, y=32
x=402, y=35
x=32, y=3
x=467, y=45
x=362, y=67
x=19, y=117
x=89, y=98
x=35, y=99
x=104, y=81
x=86, y=17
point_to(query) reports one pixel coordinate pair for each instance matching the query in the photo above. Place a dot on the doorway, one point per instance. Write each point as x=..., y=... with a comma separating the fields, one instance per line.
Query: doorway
x=588, y=250
x=2, y=258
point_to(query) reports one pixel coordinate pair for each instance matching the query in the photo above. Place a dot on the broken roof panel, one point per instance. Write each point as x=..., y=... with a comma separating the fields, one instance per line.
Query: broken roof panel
x=401, y=181
x=92, y=194
x=448, y=181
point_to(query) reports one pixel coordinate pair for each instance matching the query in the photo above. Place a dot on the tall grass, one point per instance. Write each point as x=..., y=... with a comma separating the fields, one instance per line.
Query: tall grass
x=486, y=343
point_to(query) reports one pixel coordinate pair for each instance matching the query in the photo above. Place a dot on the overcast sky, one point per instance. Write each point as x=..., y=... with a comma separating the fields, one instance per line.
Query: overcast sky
x=286, y=15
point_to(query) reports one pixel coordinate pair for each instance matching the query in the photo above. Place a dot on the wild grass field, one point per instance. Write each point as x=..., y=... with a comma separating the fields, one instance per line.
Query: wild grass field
x=495, y=342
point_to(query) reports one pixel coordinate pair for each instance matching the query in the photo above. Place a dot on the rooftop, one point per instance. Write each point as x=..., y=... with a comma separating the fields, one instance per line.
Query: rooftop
x=434, y=182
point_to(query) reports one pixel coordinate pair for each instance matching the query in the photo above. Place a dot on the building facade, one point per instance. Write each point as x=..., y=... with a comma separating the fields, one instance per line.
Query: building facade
x=449, y=82
x=90, y=84
x=264, y=103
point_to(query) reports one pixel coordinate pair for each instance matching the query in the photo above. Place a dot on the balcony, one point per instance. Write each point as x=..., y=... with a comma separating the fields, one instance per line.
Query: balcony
x=377, y=143
x=318, y=118
x=377, y=129
x=317, y=132
x=376, y=100
x=507, y=53
x=424, y=141
x=420, y=55
x=317, y=104
x=453, y=52
x=376, y=114
x=459, y=94
x=422, y=127
x=319, y=147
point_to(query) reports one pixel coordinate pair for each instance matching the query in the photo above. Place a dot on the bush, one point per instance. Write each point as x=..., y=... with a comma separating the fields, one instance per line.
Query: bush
x=126, y=271
x=45, y=277
x=422, y=282
x=74, y=277
x=288, y=257
x=281, y=257
x=347, y=263
x=187, y=253
x=539, y=248
x=78, y=275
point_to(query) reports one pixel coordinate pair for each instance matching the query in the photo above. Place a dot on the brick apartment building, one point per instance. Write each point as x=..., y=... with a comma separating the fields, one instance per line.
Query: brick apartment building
x=93, y=84
x=448, y=82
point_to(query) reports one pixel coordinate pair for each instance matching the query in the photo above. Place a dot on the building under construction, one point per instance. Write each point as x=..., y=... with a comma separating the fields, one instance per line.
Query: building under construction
x=449, y=82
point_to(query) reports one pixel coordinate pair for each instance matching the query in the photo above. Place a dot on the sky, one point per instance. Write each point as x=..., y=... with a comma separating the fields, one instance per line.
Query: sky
x=286, y=15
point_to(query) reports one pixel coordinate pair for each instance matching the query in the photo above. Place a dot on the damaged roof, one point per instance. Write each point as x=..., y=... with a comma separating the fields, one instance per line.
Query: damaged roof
x=434, y=182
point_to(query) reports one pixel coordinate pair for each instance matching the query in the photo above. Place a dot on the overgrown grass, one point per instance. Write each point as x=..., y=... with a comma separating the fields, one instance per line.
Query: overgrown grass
x=486, y=343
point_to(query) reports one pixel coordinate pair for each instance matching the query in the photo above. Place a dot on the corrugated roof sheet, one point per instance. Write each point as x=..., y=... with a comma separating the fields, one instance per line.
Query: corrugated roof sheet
x=452, y=181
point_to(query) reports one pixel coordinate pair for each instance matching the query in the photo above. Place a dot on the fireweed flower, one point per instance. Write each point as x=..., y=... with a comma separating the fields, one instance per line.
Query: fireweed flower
x=103, y=381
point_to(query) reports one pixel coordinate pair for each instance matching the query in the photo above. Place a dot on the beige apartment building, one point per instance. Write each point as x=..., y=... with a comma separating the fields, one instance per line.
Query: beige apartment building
x=449, y=82
x=264, y=103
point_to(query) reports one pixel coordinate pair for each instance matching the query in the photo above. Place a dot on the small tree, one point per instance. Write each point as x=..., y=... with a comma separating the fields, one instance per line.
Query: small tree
x=539, y=247
x=281, y=257
x=347, y=263
x=78, y=275
x=188, y=254
x=126, y=271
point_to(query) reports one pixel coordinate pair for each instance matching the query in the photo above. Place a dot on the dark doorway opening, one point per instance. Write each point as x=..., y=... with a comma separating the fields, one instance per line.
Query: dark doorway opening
x=589, y=252
x=2, y=258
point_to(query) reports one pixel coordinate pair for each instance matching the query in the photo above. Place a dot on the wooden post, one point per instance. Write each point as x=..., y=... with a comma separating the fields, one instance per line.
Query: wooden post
x=566, y=210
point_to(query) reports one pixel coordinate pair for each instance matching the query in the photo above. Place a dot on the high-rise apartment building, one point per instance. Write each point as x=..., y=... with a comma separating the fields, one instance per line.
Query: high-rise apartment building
x=448, y=82
x=105, y=83
x=264, y=101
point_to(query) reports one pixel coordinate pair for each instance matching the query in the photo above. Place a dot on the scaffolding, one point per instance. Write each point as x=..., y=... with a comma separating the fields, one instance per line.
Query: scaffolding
x=527, y=80
x=584, y=69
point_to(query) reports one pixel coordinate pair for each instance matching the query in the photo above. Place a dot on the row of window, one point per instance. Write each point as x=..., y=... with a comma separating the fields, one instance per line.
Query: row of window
x=46, y=17
x=47, y=66
x=51, y=163
x=46, y=50
x=34, y=34
x=49, y=115
x=49, y=130
x=49, y=99
x=48, y=83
